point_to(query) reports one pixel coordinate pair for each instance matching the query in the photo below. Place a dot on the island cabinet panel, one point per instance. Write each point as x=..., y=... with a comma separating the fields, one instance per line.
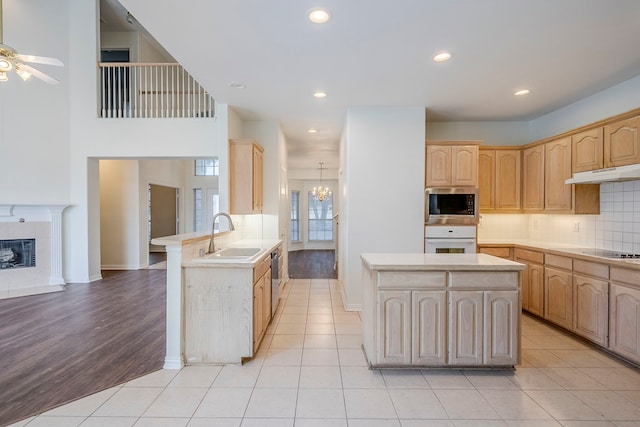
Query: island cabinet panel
x=429, y=321
x=465, y=327
x=501, y=327
x=395, y=327
x=464, y=315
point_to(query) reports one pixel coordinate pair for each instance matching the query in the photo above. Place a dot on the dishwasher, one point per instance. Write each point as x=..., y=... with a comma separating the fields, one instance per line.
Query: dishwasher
x=275, y=282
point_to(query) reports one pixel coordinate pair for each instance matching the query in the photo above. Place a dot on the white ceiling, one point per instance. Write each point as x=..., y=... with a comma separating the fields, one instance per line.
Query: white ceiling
x=378, y=52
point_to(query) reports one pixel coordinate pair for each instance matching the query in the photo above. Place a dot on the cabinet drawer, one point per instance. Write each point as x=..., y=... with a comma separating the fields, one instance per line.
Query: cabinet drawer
x=527, y=255
x=411, y=279
x=594, y=269
x=484, y=279
x=622, y=275
x=263, y=265
x=499, y=252
x=558, y=261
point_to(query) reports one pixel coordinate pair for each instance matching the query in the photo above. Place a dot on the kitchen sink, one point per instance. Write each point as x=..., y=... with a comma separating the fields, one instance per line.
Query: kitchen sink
x=235, y=253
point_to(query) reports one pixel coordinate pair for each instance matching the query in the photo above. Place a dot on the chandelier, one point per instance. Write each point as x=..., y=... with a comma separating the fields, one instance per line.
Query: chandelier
x=321, y=193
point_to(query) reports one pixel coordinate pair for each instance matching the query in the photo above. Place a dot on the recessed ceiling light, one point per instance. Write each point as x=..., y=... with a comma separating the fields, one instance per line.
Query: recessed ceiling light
x=237, y=85
x=522, y=92
x=318, y=16
x=312, y=131
x=320, y=94
x=442, y=56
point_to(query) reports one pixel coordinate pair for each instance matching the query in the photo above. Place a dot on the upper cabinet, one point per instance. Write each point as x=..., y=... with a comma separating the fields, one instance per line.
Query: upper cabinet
x=588, y=150
x=557, y=168
x=245, y=176
x=499, y=181
x=533, y=178
x=451, y=164
x=621, y=143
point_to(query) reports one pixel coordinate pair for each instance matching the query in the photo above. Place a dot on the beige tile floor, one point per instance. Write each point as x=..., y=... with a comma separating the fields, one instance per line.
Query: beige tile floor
x=310, y=372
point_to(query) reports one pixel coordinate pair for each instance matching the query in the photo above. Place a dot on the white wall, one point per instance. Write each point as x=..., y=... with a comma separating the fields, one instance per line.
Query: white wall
x=383, y=184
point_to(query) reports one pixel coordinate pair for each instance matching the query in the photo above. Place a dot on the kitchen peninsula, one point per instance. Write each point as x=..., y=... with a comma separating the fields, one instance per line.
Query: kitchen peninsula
x=441, y=310
x=213, y=313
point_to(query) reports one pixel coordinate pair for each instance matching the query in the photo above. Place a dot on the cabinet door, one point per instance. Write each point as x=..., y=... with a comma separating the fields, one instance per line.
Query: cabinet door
x=501, y=313
x=536, y=289
x=587, y=150
x=507, y=178
x=591, y=308
x=257, y=179
x=558, y=297
x=438, y=166
x=533, y=178
x=464, y=166
x=428, y=327
x=394, y=327
x=621, y=143
x=486, y=179
x=624, y=324
x=465, y=327
x=258, y=313
x=557, y=162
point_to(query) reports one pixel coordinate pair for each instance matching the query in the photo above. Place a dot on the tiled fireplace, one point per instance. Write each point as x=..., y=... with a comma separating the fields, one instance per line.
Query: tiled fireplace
x=30, y=249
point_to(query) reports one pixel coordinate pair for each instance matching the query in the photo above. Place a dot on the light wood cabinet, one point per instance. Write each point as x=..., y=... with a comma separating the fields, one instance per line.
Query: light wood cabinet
x=501, y=331
x=532, y=280
x=624, y=313
x=591, y=308
x=245, y=177
x=505, y=252
x=558, y=291
x=622, y=142
x=441, y=317
x=394, y=334
x=465, y=327
x=499, y=180
x=557, y=168
x=587, y=150
x=451, y=165
x=429, y=321
x=533, y=167
x=261, y=300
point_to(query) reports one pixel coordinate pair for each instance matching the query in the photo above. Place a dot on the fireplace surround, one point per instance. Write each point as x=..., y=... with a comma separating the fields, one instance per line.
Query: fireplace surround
x=30, y=249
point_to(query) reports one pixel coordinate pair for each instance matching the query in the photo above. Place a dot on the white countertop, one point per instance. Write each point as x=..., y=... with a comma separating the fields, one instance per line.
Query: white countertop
x=420, y=261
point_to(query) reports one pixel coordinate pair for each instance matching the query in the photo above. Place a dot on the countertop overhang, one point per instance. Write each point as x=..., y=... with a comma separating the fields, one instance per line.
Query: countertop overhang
x=426, y=262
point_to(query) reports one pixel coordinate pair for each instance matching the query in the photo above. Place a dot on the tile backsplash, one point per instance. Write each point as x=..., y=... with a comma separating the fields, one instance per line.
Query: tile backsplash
x=617, y=227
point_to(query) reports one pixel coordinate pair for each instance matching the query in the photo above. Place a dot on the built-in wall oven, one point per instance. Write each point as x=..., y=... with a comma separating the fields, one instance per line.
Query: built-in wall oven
x=442, y=239
x=451, y=205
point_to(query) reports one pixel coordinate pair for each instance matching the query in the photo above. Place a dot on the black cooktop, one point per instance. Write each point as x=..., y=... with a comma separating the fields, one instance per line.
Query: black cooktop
x=608, y=254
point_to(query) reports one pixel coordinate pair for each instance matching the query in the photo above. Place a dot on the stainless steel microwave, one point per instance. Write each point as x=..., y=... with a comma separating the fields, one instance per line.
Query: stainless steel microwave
x=451, y=205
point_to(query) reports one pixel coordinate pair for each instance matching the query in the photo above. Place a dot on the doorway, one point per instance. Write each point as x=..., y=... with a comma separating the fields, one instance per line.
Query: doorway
x=162, y=215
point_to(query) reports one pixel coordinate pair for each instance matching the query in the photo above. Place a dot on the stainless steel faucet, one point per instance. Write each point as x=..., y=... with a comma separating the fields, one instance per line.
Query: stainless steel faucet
x=212, y=247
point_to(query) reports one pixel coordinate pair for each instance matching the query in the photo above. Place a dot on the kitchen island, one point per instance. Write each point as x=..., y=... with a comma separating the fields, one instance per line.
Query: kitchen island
x=441, y=310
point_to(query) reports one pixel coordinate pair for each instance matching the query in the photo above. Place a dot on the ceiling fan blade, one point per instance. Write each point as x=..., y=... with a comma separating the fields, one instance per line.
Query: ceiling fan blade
x=39, y=74
x=40, y=59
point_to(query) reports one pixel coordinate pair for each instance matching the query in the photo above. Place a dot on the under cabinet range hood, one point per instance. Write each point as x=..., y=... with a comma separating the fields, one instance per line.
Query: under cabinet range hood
x=619, y=173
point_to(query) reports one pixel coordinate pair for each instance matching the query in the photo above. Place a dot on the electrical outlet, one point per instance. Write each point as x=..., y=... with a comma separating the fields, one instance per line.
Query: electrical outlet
x=576, y=226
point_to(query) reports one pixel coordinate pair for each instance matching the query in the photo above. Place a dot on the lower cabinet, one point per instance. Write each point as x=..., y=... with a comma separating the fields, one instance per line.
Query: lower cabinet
x=558, y=297
x=532, y=280
x=591, y=308
x=624, y=323
x=261, y=307
x=482, y=328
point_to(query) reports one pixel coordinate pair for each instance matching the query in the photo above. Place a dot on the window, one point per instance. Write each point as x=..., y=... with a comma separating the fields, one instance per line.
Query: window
x=207, y=167
x=197, y=209
x=320, y=219
x=295, y=216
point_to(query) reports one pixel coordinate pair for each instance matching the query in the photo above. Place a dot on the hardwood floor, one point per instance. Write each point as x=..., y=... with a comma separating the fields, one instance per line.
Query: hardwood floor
x=58, y=347
x=312, y=264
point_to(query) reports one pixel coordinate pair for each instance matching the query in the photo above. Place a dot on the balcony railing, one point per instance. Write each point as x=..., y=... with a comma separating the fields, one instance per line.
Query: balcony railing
x=151, y=90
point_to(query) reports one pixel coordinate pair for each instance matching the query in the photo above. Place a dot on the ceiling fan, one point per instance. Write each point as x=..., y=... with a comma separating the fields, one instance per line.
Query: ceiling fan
x=10, y=59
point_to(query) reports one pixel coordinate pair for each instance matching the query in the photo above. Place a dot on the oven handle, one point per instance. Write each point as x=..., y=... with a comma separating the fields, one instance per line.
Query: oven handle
x=449, y=240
